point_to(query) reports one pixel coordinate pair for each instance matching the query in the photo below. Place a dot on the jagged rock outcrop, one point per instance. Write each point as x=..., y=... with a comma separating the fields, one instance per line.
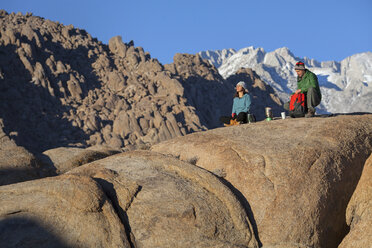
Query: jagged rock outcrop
x=204, y=88
x=295, y=176
x=359, y=212
x=63, y=211
x=61, y=87
x=175, y=204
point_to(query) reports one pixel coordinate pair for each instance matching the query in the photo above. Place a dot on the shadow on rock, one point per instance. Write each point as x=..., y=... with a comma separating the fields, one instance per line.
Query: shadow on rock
x=27, y=232
x=246, y=206
x=33, y=117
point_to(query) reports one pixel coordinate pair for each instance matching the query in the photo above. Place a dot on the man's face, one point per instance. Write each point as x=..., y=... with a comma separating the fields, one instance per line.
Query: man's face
x=300, y=73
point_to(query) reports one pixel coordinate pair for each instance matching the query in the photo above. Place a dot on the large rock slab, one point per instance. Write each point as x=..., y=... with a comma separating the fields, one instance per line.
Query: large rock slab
x=176, y=204
x=64, y=159
x=359, y=212
x=295, y=175
x=63, y=211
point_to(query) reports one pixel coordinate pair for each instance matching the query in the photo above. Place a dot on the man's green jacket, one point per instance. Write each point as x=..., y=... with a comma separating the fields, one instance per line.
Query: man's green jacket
x=309, y=80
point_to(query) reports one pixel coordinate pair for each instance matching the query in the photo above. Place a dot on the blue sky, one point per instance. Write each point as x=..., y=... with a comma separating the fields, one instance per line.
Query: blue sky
x=323, y=30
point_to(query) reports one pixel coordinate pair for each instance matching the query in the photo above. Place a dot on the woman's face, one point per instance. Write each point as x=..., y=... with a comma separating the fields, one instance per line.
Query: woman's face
x=239, y=88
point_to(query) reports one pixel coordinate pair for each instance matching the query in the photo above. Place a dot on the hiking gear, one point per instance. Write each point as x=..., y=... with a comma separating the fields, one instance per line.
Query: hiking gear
x=268, y=112
x=242, y=104
x=300, y=66
x=310, y=113
x=297, y=107
x=309, y=80
x=234, y=122
x=251, y=118
x=241, y=83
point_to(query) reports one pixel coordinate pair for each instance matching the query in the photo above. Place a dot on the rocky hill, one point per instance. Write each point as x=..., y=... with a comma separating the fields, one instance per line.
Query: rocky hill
x=346, y=86
x=59, y=87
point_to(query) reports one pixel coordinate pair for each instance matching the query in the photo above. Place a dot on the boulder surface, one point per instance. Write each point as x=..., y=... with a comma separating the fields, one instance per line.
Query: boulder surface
x=64, y=159
x=295, y=176
x=16, y=163
x=359, y=212
x=175, y=204
x=63, y=211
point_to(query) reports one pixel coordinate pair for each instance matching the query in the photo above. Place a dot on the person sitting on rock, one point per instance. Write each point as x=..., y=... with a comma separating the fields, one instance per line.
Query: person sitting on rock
x=241, y=106
x=307, y=83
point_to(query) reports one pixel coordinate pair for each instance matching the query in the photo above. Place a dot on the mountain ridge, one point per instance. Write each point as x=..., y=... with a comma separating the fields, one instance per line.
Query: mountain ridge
x=346, y=85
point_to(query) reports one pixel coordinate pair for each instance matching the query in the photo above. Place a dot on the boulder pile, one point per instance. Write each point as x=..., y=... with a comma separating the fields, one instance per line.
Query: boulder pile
x=61, y=87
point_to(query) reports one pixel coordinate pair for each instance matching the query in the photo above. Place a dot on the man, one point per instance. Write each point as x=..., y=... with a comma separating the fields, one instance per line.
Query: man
x=307, y=83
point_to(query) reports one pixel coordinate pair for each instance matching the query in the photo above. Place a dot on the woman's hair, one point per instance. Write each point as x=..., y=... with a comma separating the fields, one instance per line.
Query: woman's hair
x=237, y=93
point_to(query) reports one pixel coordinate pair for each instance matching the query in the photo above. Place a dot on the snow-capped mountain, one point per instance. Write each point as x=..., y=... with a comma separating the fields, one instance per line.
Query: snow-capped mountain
x=217, y=58
x=346, y=86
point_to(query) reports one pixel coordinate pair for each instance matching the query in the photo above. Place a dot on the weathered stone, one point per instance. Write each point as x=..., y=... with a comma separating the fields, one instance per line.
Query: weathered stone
x=176, y=204
x=74, y=88
x=121, y=124
x=359, y=212
x=16, y=163
x=117, y=46
x=116, y=81
x=295, y=175
x=63, y=211
x=64, y=159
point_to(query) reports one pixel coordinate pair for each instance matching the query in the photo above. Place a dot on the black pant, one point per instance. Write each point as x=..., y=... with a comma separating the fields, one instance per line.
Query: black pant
x=241, y=117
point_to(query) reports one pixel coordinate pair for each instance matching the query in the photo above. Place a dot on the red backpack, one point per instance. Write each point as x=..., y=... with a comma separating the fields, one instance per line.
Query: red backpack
x=297, y=106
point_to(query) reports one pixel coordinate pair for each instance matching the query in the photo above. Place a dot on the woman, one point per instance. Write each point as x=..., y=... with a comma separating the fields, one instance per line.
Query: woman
x=241, y=105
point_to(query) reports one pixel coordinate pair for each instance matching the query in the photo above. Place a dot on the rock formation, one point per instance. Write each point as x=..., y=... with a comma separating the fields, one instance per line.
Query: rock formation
x=133, y=199
x=63, y=211
x=359, y=212
x=61, y=87
x=16, y=163
x=204, y=88
x=295, y=176
x=63, y=159
x=175, y=205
